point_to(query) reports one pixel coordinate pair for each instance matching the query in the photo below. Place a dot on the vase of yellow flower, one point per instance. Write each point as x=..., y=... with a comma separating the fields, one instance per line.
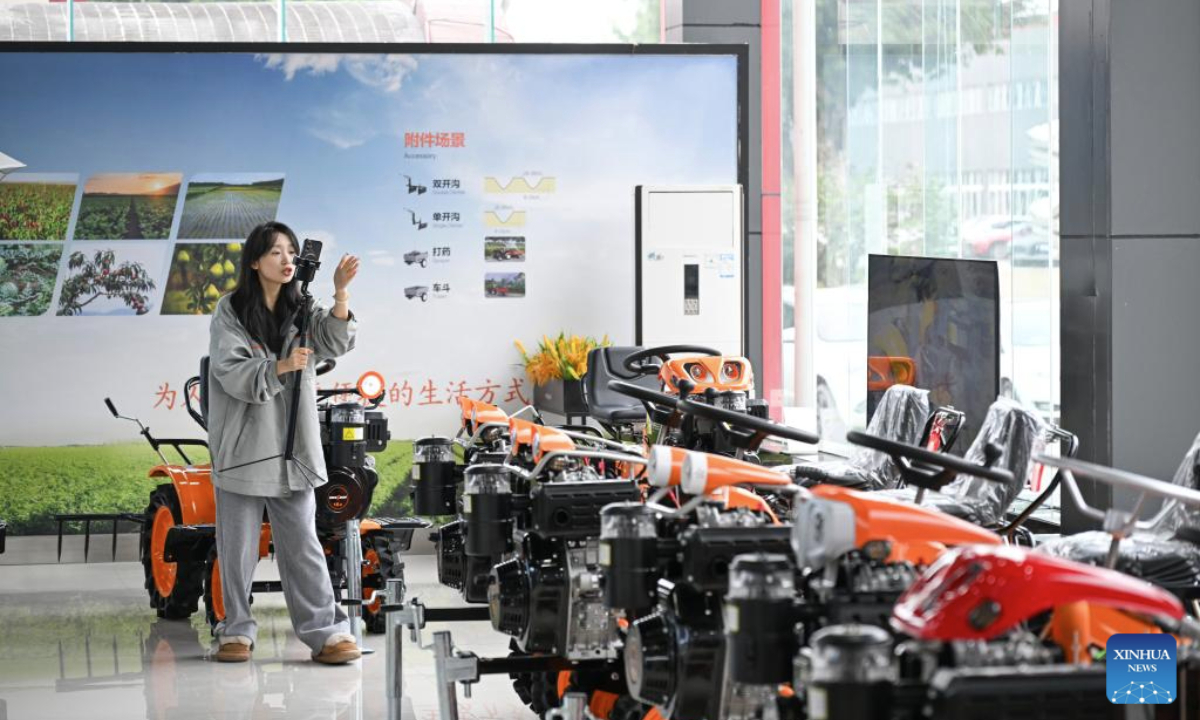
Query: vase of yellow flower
x=557, y=370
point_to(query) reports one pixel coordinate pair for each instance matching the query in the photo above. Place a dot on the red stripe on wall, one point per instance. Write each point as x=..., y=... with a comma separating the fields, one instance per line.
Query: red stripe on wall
x=772, y=254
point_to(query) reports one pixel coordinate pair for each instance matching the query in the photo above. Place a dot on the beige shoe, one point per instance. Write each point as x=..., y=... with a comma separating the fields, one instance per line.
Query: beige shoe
x=338, y=653
x=232, y=652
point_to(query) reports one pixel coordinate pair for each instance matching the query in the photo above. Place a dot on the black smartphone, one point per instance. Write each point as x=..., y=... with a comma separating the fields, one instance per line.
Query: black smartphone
x=311, y=249
x=309, y=261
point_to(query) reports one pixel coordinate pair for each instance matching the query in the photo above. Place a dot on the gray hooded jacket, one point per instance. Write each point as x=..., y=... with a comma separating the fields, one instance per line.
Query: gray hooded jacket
x=248, y=405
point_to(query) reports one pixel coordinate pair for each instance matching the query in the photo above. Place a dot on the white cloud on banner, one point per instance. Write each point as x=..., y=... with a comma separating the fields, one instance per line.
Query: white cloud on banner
x=343, y=129
x=380, y=72
x=354, y=119
x=292, y=64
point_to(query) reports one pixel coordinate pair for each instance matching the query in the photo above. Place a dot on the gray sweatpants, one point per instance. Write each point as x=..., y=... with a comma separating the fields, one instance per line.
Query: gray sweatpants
x=315, y=614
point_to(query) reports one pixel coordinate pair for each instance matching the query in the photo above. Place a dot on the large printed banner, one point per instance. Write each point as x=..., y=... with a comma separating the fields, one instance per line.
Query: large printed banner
x=490, y=196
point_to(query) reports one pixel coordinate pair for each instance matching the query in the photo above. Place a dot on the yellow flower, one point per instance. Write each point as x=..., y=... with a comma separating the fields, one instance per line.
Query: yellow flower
x=563, y=357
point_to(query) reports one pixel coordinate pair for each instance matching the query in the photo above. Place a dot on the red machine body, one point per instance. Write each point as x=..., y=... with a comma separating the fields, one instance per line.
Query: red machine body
x=981, y=592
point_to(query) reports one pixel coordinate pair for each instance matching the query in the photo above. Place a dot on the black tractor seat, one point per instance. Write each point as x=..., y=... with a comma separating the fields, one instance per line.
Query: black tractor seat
x=608, y=407
x=1172, y=563
x=1017, y=434
x=902, y=412
x=1167, y=554
x=1188, y=533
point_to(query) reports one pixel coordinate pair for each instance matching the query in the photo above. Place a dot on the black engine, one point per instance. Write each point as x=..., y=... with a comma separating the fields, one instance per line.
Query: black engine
x=675, y=652
x=548, y=596
x=853, y=671
x=348, y=433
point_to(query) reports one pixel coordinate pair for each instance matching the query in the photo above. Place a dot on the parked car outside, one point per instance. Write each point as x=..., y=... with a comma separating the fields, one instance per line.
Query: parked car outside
x=995, y=236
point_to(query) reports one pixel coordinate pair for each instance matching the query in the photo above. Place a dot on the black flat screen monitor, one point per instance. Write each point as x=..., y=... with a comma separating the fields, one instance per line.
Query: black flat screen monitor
x=944, y=315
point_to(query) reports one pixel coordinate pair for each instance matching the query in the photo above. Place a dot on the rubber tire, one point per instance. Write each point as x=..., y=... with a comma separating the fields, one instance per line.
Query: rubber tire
x=391, y=566
x=544, y=693
x=189, y=576
x=537, y=690
x=626, y=708
x=521, y=682
x=210, y=613
x=632, y=709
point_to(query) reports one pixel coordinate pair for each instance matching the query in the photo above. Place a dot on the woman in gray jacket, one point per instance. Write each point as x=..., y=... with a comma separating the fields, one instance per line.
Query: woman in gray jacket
x=254, y=362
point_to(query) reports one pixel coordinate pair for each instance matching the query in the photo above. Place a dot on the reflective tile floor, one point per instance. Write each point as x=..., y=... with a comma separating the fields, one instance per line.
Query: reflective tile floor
x=79, y=642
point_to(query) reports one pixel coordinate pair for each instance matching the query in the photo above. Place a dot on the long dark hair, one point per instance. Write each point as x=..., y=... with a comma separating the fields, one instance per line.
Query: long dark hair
x=247, y=298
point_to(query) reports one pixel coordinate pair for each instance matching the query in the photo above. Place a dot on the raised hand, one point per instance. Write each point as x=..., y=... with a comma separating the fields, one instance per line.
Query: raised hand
x=346, y=270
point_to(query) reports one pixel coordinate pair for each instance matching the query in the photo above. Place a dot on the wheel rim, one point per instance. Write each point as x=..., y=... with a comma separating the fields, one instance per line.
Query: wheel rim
x=164, y=572
x=371, y=567
x=601, y=704
x=218, y=597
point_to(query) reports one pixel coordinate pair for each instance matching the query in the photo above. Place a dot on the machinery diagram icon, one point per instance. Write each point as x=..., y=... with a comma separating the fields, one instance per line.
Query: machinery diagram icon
x=515, y=218
x=520, y=185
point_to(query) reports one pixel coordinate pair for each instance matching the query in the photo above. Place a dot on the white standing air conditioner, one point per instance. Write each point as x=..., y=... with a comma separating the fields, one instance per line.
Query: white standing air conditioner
x=690, y=274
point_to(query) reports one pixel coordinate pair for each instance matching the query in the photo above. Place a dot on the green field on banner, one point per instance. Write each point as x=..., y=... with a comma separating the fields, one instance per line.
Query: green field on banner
x=38, y=482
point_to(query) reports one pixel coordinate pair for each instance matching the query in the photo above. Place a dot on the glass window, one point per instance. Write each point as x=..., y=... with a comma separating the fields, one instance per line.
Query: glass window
x=368, y=21
x=935, y=134
x=452, y=21
x=622, y=21
x=124, y=21
x=34, y=20
x=333, y=21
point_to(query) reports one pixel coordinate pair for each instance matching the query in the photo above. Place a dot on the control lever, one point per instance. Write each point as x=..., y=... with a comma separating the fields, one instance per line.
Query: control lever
x=758, y=427
x=927, y=470
x=660, y=406
x=991, y=454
